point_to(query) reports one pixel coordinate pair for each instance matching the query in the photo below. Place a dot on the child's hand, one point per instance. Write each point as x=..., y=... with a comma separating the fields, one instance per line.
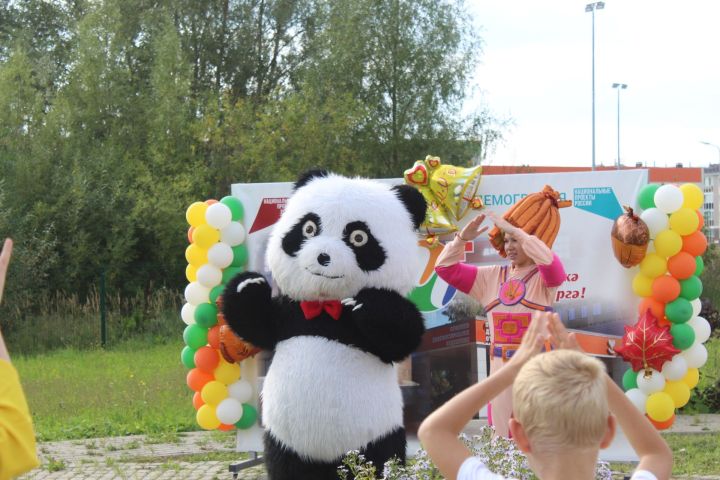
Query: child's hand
x=559, y=336
x=4, y=262
x=533, y=340
x=473, y=229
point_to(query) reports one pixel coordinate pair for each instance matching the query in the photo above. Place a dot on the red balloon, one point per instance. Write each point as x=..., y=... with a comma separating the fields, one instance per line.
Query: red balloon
x=198, y=401
x=681, y=266
x=214, y=337
x=207, y=359
x=211, y=201
x=196, y=379
x=665, y=288
x=655, y=307
x=190, y=232
x=702, y=220
x=226, y=428
x=662, y=425
x=695, y=243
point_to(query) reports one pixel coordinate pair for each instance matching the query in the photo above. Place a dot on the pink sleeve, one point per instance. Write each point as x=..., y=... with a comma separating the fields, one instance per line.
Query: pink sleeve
x=553, y=275
x=461, y=275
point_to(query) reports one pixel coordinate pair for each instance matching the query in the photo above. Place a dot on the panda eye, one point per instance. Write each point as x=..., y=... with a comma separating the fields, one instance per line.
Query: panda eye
x=309, y=229
x=358, y=238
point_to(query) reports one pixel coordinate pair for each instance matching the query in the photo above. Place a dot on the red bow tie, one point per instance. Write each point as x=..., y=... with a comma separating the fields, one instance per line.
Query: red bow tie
x=314, y=308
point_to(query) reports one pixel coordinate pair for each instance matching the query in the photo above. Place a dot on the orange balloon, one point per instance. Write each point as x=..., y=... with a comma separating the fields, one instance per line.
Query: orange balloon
x=198, y=401
x=211, y=201
x=656, y=308
x=702, y=219
x=196, y=379
x=190, y=232
x=665, y=289
x=662, y=425
x=695, y=243
x=207, y=359
x=226, y=428
x=214, y=337
x=681, y=266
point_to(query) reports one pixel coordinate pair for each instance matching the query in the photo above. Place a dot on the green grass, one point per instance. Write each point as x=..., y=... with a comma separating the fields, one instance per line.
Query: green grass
x=134, y=388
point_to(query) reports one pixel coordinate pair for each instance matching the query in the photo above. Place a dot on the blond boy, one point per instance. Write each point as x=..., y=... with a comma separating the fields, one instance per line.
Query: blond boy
x=565, y=411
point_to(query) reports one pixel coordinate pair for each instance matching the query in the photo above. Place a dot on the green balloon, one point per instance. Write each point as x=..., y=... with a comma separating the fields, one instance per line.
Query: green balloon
x=216, y=291
x=187, y=357
x=683, y=336
x=195, y=336
x=240, y=256
x=229, y=273
x=206, y=315
x=235, y=206
x=249, y=416
x=691, y=288
x=629, y=379
x=679, y=310
x=699, y=266
x=646, y=198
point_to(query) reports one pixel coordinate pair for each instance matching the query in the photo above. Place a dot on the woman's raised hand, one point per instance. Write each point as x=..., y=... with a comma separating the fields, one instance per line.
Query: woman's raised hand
x=501, y=223
x=473, y=229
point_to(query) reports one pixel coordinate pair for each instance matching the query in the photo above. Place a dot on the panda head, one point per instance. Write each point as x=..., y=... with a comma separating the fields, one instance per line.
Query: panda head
x=339, y=235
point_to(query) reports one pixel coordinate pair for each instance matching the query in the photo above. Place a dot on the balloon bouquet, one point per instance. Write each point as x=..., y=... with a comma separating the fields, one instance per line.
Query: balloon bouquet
x=665, y=347
x=216, y=254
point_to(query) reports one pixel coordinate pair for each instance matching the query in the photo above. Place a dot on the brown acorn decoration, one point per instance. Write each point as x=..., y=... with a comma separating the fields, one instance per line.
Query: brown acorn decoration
x=233, y=348
x=630, y=238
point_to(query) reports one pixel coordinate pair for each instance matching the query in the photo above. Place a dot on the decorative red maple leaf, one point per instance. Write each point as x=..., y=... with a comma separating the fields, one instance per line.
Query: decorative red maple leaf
x=646, y=344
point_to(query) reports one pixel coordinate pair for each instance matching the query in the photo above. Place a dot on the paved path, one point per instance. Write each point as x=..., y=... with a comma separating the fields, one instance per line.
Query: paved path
x=185, y=456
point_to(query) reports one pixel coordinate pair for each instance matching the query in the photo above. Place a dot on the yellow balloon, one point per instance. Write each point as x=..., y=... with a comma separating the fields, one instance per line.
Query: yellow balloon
x=642, y=285
x=684, y=221
x=214, y=392
x=227, y=373
x=660, y=406
x=678, y=391
x=191, y=273
x=668, y=243
x=692, y=196
x=207, y=418
x=692, y=377
x=653, y=265
x=195, y=214
x=205, y=236
x=195, y=255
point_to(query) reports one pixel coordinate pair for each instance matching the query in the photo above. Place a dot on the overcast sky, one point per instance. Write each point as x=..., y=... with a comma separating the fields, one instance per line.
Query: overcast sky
x=537, y=69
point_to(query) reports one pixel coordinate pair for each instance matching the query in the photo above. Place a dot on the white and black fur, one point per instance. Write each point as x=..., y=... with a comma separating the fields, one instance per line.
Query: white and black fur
x=332, y=386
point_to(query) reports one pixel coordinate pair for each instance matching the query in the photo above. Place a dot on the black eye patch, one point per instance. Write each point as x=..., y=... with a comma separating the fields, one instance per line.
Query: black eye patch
x=307, y=227
x=368, y=252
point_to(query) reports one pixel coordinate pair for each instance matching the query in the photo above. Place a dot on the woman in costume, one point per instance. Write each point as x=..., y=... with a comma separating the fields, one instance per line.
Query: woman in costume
x=510, y=294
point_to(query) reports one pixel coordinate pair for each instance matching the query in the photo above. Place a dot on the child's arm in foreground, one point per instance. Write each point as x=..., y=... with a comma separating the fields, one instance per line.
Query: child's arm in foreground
x=655, y=455
x=439, y=432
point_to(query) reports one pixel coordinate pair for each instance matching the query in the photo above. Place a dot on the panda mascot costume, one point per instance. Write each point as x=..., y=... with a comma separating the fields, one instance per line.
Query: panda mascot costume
x=343, y=256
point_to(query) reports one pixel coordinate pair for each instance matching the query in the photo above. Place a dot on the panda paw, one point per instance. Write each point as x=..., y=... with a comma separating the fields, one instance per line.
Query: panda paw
x=247, y=287
x=351, y=302
x=245, y=283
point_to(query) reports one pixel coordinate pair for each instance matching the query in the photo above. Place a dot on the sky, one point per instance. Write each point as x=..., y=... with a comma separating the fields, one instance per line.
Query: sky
x=536, y=68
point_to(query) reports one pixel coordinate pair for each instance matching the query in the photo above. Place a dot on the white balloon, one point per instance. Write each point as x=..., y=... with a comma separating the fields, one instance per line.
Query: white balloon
x=655, y=220
x=196, y=293
x=220, y=255
x=701, y=328
x=676, y=369
x=695, y=356
x=229, y=411
x=240, y=391
x=637, y=398
x=650, y=383
x=209, y=276
x=188, y=313
x=668, y=198
x=697, y=307
x=233, y=234
x=218, y=215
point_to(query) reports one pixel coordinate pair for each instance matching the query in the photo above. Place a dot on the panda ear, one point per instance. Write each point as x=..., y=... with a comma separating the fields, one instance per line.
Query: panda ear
x=413, y=201
x=305, y=178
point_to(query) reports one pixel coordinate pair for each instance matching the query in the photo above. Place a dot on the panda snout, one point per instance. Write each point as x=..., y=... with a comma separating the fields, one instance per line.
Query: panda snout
x=323, y=259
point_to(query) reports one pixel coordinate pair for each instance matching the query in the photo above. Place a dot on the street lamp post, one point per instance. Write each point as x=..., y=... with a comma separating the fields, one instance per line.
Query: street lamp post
x=591, y=7
x=618, y=86
x=712, y=145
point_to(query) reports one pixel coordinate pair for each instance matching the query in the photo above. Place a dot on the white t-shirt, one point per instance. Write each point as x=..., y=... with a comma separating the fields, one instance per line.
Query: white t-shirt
x=474, y=469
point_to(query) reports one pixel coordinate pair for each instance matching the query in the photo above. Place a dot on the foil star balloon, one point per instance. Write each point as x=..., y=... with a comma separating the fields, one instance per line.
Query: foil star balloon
x=448, y=190
x=646, y=344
